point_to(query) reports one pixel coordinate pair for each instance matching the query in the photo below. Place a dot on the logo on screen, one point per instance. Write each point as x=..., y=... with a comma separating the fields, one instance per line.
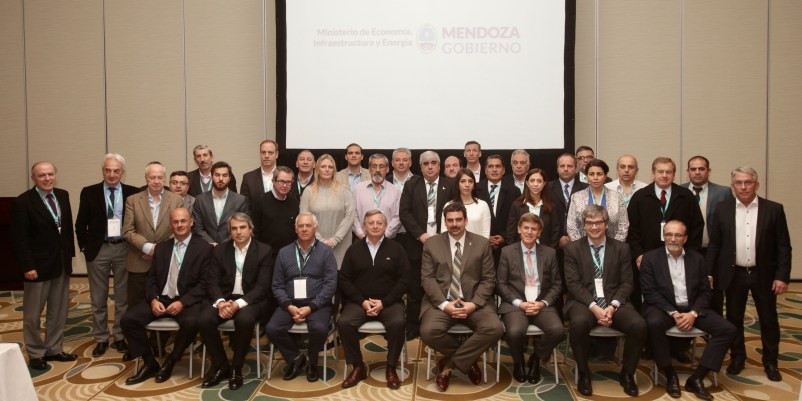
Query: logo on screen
x=427, y=38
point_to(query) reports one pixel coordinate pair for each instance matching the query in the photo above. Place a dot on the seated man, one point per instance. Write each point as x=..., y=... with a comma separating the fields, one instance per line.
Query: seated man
x=599, y=283
x=238, y=284
x=676, y=291
x=304, y=281
x=458, y=279
x=169, y=294
x=529, y=284
x=373, y=281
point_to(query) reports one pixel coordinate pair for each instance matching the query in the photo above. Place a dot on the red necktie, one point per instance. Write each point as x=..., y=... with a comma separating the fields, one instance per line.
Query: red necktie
x=663, y=198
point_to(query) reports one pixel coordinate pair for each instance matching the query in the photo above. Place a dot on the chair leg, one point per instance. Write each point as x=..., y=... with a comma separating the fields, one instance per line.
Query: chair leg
x=498, y=361
x=325, y=359
x=270, y=362
x=556, y=371
x=191, y=355
x=403, y=359
x=159, y=342
x=258, y=354
x=428, y=363
x=203, y=361
x=484, y=363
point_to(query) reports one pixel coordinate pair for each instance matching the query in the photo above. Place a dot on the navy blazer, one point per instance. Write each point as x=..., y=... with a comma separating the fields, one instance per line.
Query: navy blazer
x=91, y=222
x=195, y=265
x=658, y=289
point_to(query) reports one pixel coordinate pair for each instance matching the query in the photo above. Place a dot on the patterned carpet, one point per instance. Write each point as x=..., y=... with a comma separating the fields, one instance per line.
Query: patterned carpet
x=104, y=378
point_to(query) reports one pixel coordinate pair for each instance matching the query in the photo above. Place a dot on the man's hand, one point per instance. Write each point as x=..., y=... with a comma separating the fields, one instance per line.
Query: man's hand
x=710, y=279
x=496, y=241
x=638, y=260
x=468, y=307
x=684, y=321
x=31, y=275
x=304, y=312
x=779, y=287
x=156, y=307
x=455, y=312
x=423, y=237
x=601, y=316
x=175, y=308
x=564, y=240
x=295, y=313
x=367, y=306
x=376, y=307
x=330, y=243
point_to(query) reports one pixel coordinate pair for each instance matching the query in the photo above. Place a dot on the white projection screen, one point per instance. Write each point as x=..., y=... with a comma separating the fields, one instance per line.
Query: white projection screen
x=425, y=74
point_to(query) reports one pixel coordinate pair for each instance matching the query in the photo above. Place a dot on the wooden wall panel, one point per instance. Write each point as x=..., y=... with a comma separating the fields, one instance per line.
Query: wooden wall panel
x=12, y=100
x=585, y=74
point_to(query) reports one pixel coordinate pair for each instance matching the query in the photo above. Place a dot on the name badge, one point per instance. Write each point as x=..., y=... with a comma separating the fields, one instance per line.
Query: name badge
x=299, y=288
x=431, y=218
x=662, y=224
x=599, y=287
x=113, y=228
x=531, y=293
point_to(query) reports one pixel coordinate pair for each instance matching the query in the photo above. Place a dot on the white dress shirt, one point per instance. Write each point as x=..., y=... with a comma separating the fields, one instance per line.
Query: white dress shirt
x=745, y=231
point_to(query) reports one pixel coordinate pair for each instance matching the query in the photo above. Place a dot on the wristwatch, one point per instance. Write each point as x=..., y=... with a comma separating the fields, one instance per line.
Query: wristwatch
x=695, y=315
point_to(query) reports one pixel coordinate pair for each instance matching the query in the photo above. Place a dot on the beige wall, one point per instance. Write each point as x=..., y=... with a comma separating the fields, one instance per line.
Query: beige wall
x=151, y=79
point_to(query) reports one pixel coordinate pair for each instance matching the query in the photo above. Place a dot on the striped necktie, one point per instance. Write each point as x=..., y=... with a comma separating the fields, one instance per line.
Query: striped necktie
x=598, y=273
x=456, y=275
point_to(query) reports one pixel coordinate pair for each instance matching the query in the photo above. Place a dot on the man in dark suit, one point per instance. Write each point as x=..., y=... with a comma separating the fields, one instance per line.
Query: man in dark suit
x=519, y=161
x=499, y=197
x=200, y=179
x=750, y=250
x=421, y=211
x=305, y=164
x=676, y=292
x=41, y=232
x=238, y=286
x=598, y=277
x=529, y=285
x=99, y=231
x=561, y=190
x=260, y=180
x=213, y=209
x=174, y=290
x=459, y=280
x=584, y=155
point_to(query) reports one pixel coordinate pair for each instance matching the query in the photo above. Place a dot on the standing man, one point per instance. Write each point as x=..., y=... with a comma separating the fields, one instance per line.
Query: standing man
x=402, y=161
x=676, y=292
x=354, y=173
x=305, y=163
x=459, y=280
x=179, y=185
x=169, y=294
x=421, y=210
x=520, y=166
x=200, y=179
x=561, y=190
x=260, y=180
x=213, y=209
x=42, y=238
x=373, y=281
x=377, y=194
x=100, y=237
x=584, y=154
x=626, y=184
x=750, y=250
x=529, y=285
x=274, y=214
x=451, y=166
x=238, y=286
x=304, y=282
x=473, y=153
x=499, y=196
x=598, y=277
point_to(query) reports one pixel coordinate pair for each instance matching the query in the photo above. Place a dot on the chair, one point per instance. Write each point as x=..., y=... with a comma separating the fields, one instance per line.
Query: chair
x=457, y=329
x=692, y=333
x=598, y=331
x=300, y=328
x=166, y=324
x=377, y=327
x=531, y=331
x=228, y=326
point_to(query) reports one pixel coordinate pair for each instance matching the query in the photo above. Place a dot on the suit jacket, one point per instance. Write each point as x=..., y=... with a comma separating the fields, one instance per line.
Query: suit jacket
x=658, y=289
x=91, y=223
x=194, y=268
x=195, y=183
x=478, y=272
x=342, y=176
x=509, y=180
x=37, y=243
x=512, y=276
x=252, y=185
x=297, y=190
x=645, y=217
x=205, y=223
x=257, y=272
x=715, y=194
x=558, y=197
x=580, y=272
x=772, y=241
x=413, y=209
x=506, y=195
x=552, y=224
x=138, y=226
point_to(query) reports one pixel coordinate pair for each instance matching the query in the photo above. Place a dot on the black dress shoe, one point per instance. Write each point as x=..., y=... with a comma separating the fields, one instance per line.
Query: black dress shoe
x=533, y=373
x=584, y=386
x=672, y=386
x=61, y=357
x=214, y=377
x=628, y=383
x=772, y=372
x=100, y=349
x=736, y=365
x=295, y=367
x=166, y=371
x=518, y=372
x=697, y=387
x=127, y=357
x=146, y=372
x=311, y=373
x=235, y=382
x=119, y=345
x=38, y=364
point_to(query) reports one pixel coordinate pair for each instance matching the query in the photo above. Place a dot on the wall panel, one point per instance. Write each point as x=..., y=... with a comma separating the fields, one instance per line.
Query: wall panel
x=585, y=74
x=12, y=100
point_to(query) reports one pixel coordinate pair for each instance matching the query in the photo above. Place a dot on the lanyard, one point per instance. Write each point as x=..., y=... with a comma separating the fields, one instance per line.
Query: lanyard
x=299, y=258
x=117, y=200
x=592, y=200
x=180, y=258
x=600, y=261
x=53, y=213
x=378, y=198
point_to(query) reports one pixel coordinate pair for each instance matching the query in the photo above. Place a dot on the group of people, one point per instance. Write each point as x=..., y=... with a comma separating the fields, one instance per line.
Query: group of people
x=480, y=248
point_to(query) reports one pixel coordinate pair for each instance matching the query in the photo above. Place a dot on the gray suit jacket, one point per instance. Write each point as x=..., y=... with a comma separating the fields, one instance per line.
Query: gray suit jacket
x=205, y=223
x=715, y=194
x=512, y=276
x=617, y=278
x=138, y=226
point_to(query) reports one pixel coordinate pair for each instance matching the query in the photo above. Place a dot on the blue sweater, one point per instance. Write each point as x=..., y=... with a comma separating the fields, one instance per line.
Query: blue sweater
x=320, y=272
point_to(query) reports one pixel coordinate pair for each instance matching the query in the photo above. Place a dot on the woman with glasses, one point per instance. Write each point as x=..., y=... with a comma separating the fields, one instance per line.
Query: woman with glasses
x=598, y=194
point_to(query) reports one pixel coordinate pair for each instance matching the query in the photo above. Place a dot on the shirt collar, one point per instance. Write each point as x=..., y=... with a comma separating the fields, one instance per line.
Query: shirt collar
x=569, y=183
x=681, y=256
x=225, y=194
x=453, y=241
x=751, y=204
x=377, y=244
x=268, y=173
x=42, y=194
x=275, y=195
x=150, y=195
x=106, y=185
x=604, y=242
x=524, y=249
x=185, y=241
x=245, y=248
x=657, y=190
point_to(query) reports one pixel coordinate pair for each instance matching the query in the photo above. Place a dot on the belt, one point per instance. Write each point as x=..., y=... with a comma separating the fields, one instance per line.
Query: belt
x=747, y=268
x=114, y=241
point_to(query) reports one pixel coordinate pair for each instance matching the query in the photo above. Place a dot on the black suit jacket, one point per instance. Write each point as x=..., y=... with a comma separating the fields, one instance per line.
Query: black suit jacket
x=252, y=185
x=580, y=271
x=413, y=209
x=506, y=195
x=511, y=276
x=645, y=216
x=195, y=265
x=552, y=224
x=35, y=237
x=658, y=289
x=195, y=183
x=772, y=241
x=257, y=272
x=91, y=223
x=296, y=191
x=560, y=205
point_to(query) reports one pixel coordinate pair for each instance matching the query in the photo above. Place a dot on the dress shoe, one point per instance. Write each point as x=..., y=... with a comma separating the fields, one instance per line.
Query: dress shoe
x=392, y=379
x=736, y=365
x=772, y=372
x=533, y=374
x=38, y=363
x=146, y=372
x=119, y=345
x=295, y=367
x=628, y=383
x=359, y=373
x=583, y=386
x=100, y=349
x=475, y=374
x=672, y=386
x=697, y=387
x=412, y=333
x=442, y=379
x=235, y=382
x=518, y=372
x=127, y=357
x=214, y=377
x=311, y=373
x=166, y=371
x=61, y=357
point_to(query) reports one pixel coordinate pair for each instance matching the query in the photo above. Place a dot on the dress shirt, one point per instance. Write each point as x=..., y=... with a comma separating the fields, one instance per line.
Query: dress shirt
x=658, y=191
x=117, y=207
x=517, y=302
x=703, y=206
x=206, y=182
x=180, y=258
x=55, y=213
x=493, y=196
x=354, y=179
x=239, y=261
x=374, y=248
x=400, y=184
x=570, y=189
x=267, y=180
x=276, y=195
x=431, y=223
x=615, y=185
x=219, y=204
x=519, y=184
x=614, y=302
x=535, y=208
x=477, y=173
x=676, y=268
x=453, y=242
x=745, y=231
x=155, y=206
x=387, y=200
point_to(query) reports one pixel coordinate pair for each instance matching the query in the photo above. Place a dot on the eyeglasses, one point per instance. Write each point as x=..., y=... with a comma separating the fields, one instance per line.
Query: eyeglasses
x=586, y=158
x=673, y=235
x=283, y=182
x=597, y=223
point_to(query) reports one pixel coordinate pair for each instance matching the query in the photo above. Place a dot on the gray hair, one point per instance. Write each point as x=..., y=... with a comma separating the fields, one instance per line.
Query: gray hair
x=373, y=212
x=113, y=156
x=307, y=214
x=595, y=210
x=378, y=156
x=520, y=152
x=402, y=150
x=744, y=170
x=429, y=155
x=240, y=216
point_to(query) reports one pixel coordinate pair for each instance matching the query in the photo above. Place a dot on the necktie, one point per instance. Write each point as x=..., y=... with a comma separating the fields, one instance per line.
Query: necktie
x=456, y=275
x=430, y=194
x=110, y=207
x=52, y=203
x=530, y=270
x=175, y=266
x=598, y=272
x=697, y=190
x=567, y=194
x=493, y=188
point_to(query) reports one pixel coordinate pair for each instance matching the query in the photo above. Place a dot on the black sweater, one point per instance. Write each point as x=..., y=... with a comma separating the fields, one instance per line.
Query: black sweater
x=274, y=220
x=385, y=278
